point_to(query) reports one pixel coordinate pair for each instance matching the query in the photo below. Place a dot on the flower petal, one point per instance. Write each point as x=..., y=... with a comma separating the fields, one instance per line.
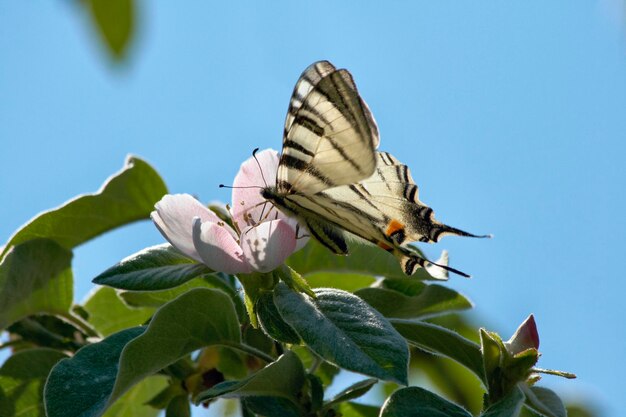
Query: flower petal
x=301, y=234
x=249, y=207
x=173, y=217
x=267, y=245
x=526, y=337
x=218, y=248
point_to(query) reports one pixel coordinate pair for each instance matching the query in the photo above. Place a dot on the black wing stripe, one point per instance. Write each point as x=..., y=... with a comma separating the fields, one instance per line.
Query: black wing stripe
x=294, y=145
x=362, y=196
x=309, y=124
x=344, y=155
x=328, y=237
x=292, y=162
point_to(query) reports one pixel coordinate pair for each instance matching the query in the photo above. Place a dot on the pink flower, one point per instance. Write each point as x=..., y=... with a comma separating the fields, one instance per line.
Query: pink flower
x=526, y=337
x=263, y=239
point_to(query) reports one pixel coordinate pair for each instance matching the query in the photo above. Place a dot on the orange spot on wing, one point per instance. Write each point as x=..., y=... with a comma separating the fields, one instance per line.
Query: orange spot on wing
x=393, y=227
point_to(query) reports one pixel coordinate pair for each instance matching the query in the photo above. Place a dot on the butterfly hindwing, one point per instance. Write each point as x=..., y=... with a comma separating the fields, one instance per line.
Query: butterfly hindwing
x=332, y=179
x=330, y=134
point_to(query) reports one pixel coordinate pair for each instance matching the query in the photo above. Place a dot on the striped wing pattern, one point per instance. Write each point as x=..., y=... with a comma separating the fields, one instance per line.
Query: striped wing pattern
x=330, y=134
x=383, y=209
x=331, y=177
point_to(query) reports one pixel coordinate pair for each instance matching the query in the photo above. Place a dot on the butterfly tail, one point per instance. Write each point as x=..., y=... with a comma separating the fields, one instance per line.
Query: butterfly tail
x=410, y=261
x=440, y=229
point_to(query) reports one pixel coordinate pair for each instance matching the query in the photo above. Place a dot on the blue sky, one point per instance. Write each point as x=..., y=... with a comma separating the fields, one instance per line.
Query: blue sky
x=510, y=116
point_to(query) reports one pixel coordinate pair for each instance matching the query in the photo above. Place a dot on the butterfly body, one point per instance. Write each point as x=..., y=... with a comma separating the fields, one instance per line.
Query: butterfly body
x=332, y=179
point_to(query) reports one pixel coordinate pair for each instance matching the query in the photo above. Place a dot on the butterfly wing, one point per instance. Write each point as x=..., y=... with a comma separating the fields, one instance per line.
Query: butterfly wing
x=383, y=209
x=330, y=134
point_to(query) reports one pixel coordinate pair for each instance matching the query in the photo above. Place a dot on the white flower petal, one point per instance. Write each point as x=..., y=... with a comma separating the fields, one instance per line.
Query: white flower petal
x=301, y=233
x=217, y=247
x=173, y=217
x=267, y=245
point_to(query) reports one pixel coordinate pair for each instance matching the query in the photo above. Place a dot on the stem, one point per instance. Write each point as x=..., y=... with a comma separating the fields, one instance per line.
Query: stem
x=563, y=374
x=250, y=350
x=317, y=361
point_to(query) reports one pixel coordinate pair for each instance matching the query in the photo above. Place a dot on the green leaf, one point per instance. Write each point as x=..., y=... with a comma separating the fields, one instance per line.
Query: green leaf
x=22, y=378
x=364, y=259
x=346, y=282
x=125, y=197
x=198, y=318
x=316, y=388
x=544, y=401
x=35, y=277
x=492, y=349
x=346, y=331
x=155, y=268
x=283, y=378
x=294, y=280
x=114, y=20
x=108, y=314
x=357, y=410
x=270, y=406
x=178, y=407
x=441, y=341
x=49, y=331
x=509, y=406
x=426, y=301
x=232, y=363
x=353, y=391
x=133, y=403
x=326, y=371
x=158, y=298
x=70, y=390
x=449, y=379
x=272, y=322
x=418, y=402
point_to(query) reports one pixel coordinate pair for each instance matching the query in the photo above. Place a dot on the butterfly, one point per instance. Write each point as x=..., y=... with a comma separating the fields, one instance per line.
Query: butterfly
x=332, y=179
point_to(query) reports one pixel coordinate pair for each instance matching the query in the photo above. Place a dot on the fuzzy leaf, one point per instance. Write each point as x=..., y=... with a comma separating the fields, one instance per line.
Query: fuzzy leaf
x=70, y=390
x=441, y=341
x=272, y=322
x=108, y=314
x=509, y=406
x=133, y=403
x=127, y=196
x=352, y=392
x=346, y=331
x=22, y=379
x=283, y=378
x=430, y=300
x=35, y=277
x=418, y=402
x=364, y=259
x=155, y=268
x=545, y=401
x=349, y=409
x=198, y=318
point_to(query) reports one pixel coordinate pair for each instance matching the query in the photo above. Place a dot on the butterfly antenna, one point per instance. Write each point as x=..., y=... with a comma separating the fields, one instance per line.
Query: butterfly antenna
x=259, y=164
x=231, y=187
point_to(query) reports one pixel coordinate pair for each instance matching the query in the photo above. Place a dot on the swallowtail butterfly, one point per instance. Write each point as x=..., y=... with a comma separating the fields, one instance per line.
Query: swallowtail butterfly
x=332, y=179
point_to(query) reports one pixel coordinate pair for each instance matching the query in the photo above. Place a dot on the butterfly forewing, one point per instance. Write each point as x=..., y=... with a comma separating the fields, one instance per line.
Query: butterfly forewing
x=332, y=179
x=309, y=79
x=330, y=134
